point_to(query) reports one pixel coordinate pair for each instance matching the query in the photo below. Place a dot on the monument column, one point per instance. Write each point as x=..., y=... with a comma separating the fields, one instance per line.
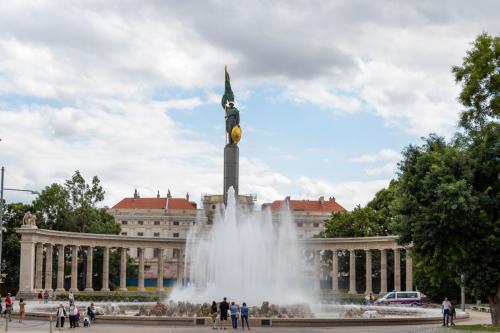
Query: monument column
x=140, y=282
x=368, y=276
x=39, y=266
x=383, y=271
x=397, y=270
x=74, y=269
x=90, y=262
x=123, y=269
x=27, y=265
x=409, y=270
x=105, y=269
x=60, y=268
x=335, y=271
x=48, y=267
x=159, y=274
x=352, y=272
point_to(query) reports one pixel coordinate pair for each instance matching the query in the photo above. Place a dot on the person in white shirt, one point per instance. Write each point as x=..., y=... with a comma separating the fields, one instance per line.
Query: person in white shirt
x=445, y=309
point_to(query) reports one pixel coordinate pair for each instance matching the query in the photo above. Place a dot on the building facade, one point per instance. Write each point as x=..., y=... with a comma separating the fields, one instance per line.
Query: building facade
x=309, y=215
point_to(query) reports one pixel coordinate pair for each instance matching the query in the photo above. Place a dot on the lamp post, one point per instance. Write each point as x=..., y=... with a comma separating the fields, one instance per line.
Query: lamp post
x=1, y=209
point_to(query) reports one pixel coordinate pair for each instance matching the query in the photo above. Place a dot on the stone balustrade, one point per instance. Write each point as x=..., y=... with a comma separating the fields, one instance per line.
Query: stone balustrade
x=38, y=245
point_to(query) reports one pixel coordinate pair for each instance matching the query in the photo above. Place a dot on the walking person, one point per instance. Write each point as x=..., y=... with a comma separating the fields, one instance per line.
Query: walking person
x=8, y=306
x=46, y=297
x=71, y=298
x=445, y=308
x=60, y=315
x=213, y=313
x=39, y=296
x=234, y=315
x=453, y=314
x=224, y=308
x=91, y=311
x=22, y=309
x=244, y=315
x=71, y=315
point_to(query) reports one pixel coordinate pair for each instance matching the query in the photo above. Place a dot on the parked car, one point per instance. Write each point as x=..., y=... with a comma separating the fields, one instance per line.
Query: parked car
x=412, y=298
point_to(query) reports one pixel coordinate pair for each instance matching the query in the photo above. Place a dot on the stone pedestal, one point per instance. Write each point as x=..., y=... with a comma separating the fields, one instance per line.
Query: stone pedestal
x=27, y=266
x=231, y=169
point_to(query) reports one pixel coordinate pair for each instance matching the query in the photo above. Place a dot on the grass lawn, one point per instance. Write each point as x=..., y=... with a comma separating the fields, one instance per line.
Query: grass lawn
x=477, y=328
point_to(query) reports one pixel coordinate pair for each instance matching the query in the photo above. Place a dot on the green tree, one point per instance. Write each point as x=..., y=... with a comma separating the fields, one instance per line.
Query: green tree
x=479, y=75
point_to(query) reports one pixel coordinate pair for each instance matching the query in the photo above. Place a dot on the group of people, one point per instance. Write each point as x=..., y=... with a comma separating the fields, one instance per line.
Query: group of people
x=233, y=310
x=45, y=296
x=73, y=314
x=449, y=312
x=9, y=304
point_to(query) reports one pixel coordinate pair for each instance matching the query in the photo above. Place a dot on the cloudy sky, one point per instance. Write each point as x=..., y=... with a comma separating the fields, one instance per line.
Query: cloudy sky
x=329, y=93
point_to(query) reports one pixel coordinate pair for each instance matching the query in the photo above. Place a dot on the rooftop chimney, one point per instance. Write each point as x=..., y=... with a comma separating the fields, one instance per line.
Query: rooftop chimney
x=332, y=198
x=136, y=194
x=168, y=194
x=158, y=194
x=321, y=200
x=287, y=198
x=187, y=196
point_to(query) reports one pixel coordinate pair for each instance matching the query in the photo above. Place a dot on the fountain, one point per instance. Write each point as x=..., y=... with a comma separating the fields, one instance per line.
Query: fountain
x=245, y=256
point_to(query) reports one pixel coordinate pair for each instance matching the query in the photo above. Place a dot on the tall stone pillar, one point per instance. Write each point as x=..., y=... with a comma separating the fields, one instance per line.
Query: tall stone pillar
x=140, y=284
x=105, y=269
x=397, y=270
x=352, y=272
x=368, y=276
x=180, y=270
x=74, y=269
x=231, y=169
x=409, y=270
x=60, y=268
x=335, y=271
x=316, y=273
x=27, y=266
x=48, y=267
x=39, y=266
x=123, y=269
x=383, y=271
x=90, y=263
x=159, y=275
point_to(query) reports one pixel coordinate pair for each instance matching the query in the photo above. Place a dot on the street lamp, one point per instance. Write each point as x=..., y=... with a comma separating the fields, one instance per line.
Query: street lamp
x=1, y=209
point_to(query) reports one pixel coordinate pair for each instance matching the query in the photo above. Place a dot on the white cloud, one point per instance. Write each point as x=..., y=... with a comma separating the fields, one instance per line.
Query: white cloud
x=381, y=155
x=349, y=193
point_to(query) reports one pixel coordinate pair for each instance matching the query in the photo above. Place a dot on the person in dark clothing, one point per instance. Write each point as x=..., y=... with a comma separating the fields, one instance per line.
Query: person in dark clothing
x=61, y=313
x=453, y=314
x=224, y=308
x=213, y=313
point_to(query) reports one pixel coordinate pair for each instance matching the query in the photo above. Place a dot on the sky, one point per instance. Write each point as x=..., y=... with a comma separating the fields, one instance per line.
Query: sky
x=329, y=92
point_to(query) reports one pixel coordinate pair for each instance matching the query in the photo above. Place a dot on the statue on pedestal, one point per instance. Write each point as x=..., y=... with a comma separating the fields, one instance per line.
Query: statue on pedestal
x=29, y=220
x=233, y=128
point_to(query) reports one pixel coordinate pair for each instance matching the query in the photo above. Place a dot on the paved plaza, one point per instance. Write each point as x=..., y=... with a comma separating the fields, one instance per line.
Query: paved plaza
x=38, y=327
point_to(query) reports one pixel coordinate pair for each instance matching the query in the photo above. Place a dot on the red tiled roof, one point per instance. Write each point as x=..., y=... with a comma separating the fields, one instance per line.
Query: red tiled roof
x=306, y=205
x=155, y=203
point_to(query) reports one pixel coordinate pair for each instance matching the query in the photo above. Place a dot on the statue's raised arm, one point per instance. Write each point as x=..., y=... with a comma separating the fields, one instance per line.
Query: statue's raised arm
x=232, y=113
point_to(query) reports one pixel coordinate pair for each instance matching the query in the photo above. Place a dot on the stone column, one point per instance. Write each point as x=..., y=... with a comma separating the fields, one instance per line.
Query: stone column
x=368, y=276
x=335, y=271
x=90, y=262
x=74, y=269
x=140, y=285
x=159, y=276
x=123, y=269
x=105, y=269
x=383, y=271
x=39, y=266
x=48, y=268
x=352, y=272
x=60, y=268
x=27, y=266
x=316, y=273
x=409, y=270
x=397, y=270
x=180, y=270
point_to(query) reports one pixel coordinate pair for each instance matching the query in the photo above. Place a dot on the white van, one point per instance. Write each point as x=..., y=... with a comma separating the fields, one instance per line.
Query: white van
x=412, y=298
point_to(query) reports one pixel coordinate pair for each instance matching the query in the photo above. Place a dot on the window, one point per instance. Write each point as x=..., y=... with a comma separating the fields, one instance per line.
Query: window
x=391, y=296
x=299, y=225
x=176, y=234
x=156, y=252
x=140, y=234
x=157, y=222
x=140, y=222
x=157, y=234
x=124, y=222
x=315, y=225
x=124, y=234
x=176, y=222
